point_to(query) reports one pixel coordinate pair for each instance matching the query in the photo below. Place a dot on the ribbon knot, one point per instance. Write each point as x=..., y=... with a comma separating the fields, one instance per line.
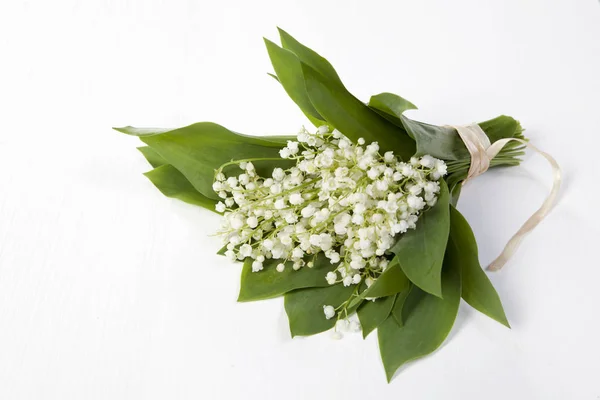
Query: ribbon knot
x=482, y=152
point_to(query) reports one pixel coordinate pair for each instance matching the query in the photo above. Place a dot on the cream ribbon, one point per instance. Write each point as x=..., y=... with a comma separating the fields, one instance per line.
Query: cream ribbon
x=482, y=152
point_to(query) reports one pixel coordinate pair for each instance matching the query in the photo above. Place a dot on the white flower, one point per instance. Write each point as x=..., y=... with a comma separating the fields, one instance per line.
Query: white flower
x=329, y=311
x=277, y=252
x=315, y=240
x=355, y=326
x=400, y=227
x=342, y=199
x=284, y=153
x=331, y=277
x=292, y=146
x=296, y=199
x=268, y=244
x=381, y=185
x=359, y=208
x=334, y=256
x=373, y=173
x=230, y=254
x=427, y=161
x=275, y=188
x=236, y=221
x=279, y=203
x=415, y=202
x=297, y=253
x=440, y=167
x=432, y=187
x=326, y=241
x=245, y=250
x=220, y=207
x=252, y=222
x=286, y=240
x=278, y=174
x=257, y=266
x=308, y=211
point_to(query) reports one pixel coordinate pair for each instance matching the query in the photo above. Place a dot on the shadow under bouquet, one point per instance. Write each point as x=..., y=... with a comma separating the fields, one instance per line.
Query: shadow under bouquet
x=352, y=221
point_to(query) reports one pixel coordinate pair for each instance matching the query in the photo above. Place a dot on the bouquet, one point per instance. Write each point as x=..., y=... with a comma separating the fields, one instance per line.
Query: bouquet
x=352, y=221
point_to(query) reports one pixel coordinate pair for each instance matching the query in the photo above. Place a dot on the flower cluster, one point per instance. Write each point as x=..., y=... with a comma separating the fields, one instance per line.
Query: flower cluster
x=343, y=199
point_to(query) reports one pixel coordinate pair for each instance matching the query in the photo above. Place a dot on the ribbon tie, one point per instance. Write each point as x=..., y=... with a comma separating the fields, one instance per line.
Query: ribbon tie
x=482, y=152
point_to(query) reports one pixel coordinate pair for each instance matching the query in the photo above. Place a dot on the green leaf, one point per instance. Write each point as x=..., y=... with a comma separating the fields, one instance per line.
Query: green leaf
x=444, y=142
x=172, y=183
x=372, y=313
x=392, y=281
x=420, y=251
x=304, y=308
x=340, y=108
x=399, y=305
x=455, y=187
x=222, y=251
x=310, y=57
x=269, y=283
x=152, y=156
x=500, y=127
x=353, y=118
x=289, y=73
x=390, y=106
x=427, y=321
x=477, y=290
x=198, y=150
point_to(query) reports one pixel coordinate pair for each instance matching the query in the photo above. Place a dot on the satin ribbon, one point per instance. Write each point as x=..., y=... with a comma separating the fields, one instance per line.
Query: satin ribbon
x=482, y=152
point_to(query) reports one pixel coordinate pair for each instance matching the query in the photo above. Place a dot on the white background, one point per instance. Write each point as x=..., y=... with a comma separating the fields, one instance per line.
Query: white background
x=108, y=290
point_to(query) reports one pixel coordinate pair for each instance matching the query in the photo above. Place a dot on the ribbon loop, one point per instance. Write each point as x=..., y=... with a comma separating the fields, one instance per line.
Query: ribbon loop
x=482, y=152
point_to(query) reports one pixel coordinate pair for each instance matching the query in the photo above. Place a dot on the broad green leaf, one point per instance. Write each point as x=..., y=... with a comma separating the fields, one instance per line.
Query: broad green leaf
x=280, y=140
x=372, y=313
x=501, y=127
x=340, y=108
x=310, y=57
x=172, y=183
x=289, y=73
x=152, y=156
x=392, y=281
x=353, y=118
x=427, y=321
x=390, y=106
x=420, y=251
x=444, y=142
x=477, y=290
x=198, y=150
x=399, y=305
x=269, y=283
x=304, y=308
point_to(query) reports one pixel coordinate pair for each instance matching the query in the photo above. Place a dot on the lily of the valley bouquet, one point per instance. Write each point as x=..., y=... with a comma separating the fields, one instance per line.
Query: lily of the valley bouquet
x=354, y=216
